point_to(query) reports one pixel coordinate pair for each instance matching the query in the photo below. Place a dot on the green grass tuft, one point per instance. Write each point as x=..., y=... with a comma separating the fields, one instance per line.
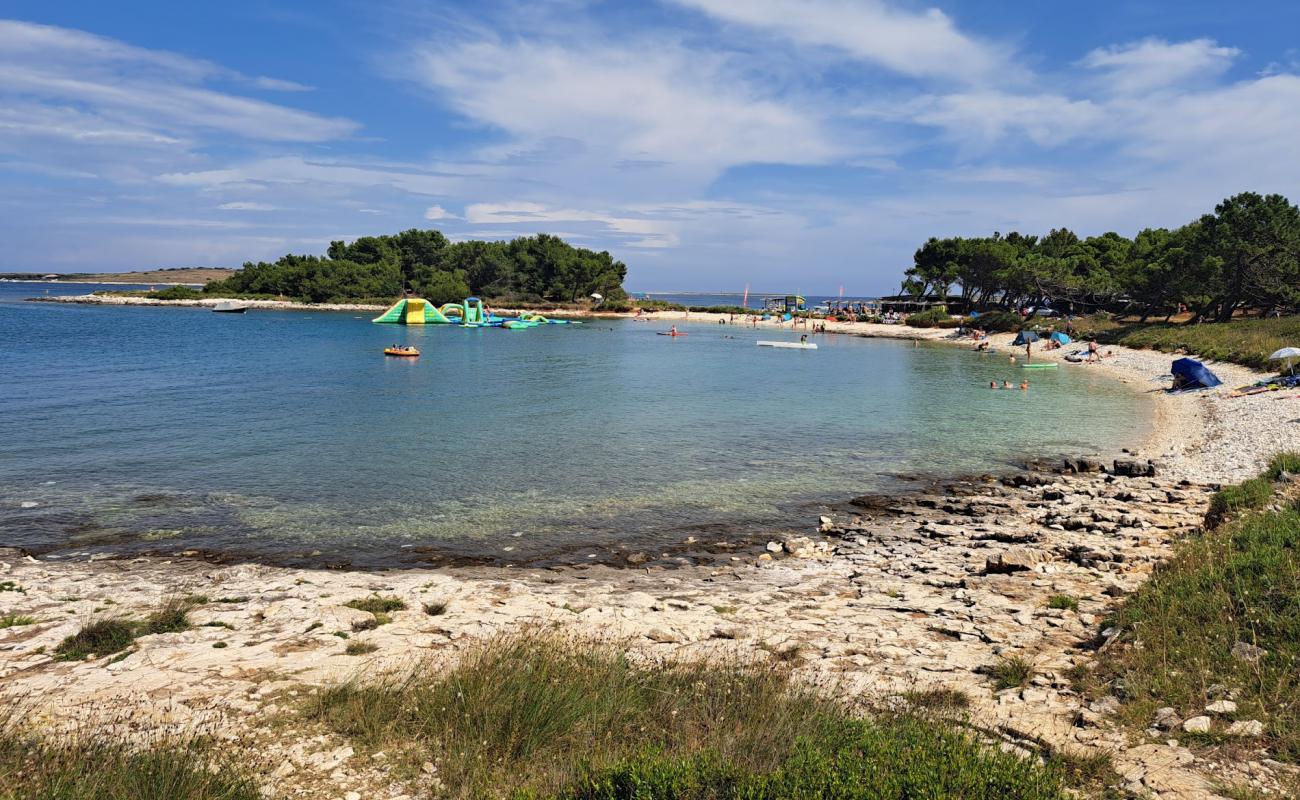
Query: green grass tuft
x=436, y=608
x=1282, y=463
x=376, y=604
x=360, y=648
x=99, y=638
x=10, y=586
x=1247, y=495
x=1064, y=602
x=173, y=617
x=939, y=699
x=1010, y=672
x=536, y=715
x=15, y=620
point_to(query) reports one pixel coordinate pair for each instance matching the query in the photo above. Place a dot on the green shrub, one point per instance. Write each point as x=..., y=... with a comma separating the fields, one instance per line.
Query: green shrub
x=15, y=620
x=998, y=322
x=658, y=305
x=851, y=760
x=176, y=293
x=535, y=715
x=930, y=318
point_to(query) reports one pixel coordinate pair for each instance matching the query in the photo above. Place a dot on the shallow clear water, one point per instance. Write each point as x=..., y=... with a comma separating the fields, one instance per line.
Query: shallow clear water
x=288, y=435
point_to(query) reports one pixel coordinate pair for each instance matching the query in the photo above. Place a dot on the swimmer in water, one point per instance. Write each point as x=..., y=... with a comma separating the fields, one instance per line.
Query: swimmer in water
x=1006, y=384
x=1024, y=385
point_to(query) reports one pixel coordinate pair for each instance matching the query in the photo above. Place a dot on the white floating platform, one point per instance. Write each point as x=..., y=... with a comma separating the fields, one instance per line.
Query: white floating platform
x=790, y=345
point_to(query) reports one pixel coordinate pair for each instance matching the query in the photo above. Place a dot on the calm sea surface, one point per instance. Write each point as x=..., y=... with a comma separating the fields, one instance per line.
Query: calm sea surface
x=289, y=436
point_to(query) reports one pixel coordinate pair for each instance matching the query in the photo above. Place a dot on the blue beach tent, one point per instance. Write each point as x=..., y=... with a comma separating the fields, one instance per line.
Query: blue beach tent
x=1024, y=338
x=1192, y=374
x=1060, y=338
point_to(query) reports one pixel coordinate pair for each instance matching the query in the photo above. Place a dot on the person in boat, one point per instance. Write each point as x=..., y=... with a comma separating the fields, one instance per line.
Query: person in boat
x=672, y=331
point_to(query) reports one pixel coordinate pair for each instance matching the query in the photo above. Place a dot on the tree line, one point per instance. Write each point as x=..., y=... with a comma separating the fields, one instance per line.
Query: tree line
x=1245, y=255
x=424, y=263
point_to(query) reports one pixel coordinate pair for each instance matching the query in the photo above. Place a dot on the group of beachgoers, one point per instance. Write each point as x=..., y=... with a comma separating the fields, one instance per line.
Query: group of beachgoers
x=1024, y=385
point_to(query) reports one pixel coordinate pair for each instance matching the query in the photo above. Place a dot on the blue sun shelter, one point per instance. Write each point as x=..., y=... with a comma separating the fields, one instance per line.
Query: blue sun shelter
x=1192, y=374
x=1060, y=338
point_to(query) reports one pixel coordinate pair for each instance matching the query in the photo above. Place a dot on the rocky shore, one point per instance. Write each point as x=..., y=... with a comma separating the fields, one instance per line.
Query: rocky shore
x=882, y=600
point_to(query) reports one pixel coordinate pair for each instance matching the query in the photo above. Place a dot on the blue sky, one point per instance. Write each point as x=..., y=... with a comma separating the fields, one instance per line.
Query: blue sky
x=787, y=144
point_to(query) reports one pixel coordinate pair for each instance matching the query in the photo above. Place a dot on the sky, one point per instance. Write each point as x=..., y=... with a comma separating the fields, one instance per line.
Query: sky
x=789, y=145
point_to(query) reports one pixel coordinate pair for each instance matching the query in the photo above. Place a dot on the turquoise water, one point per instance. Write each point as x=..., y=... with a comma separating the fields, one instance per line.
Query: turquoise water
x=289, y=436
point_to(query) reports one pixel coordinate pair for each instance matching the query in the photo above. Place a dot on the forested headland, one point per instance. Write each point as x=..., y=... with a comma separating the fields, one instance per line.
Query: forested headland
x=537, y=268
x=1243, y=256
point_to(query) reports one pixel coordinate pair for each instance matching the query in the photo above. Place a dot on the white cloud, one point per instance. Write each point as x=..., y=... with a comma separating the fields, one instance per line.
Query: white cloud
x=924, y=44
x=437, y=212
x=246, y=206
x=279, y=85
x=986, y=118
x=638, y=231
x=120, y=86
x=1154, y=64
x=298, y=171
x=648, y=102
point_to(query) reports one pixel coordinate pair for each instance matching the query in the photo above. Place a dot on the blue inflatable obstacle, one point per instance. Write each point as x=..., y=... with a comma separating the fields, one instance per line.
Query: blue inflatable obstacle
x=1191, y=374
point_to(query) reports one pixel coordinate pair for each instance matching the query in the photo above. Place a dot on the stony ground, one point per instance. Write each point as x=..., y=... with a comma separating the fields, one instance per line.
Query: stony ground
x=886, y=596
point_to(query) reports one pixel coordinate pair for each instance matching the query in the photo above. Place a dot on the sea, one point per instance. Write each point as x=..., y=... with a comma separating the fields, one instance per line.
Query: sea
x=288, y=436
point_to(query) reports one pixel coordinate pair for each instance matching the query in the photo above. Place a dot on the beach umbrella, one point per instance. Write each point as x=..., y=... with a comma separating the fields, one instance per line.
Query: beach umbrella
x=1286, y=354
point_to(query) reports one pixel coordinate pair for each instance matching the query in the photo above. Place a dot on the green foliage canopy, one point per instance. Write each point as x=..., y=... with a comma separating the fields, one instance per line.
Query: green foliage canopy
x=1244, y=255
x=424, y=262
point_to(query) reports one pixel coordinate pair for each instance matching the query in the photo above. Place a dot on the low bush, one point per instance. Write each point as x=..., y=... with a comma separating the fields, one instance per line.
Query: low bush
x=176, y=293
x=930, y=318
x=1191, y=631
x=535, y=715
x=15, y=620
x=723, y=309
x=658, y=305
x=998, y=322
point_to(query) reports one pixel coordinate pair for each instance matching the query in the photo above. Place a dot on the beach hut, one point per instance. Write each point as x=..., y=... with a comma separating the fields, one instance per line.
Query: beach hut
x=1025, y=337
x=1060, y=338
x=1192, y=374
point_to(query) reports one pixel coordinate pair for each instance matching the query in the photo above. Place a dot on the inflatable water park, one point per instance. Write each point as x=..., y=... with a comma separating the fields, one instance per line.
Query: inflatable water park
x=469, y=313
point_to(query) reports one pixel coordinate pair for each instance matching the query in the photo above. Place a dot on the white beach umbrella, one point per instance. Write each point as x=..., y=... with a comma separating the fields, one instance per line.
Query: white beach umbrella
x=1286, y=354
